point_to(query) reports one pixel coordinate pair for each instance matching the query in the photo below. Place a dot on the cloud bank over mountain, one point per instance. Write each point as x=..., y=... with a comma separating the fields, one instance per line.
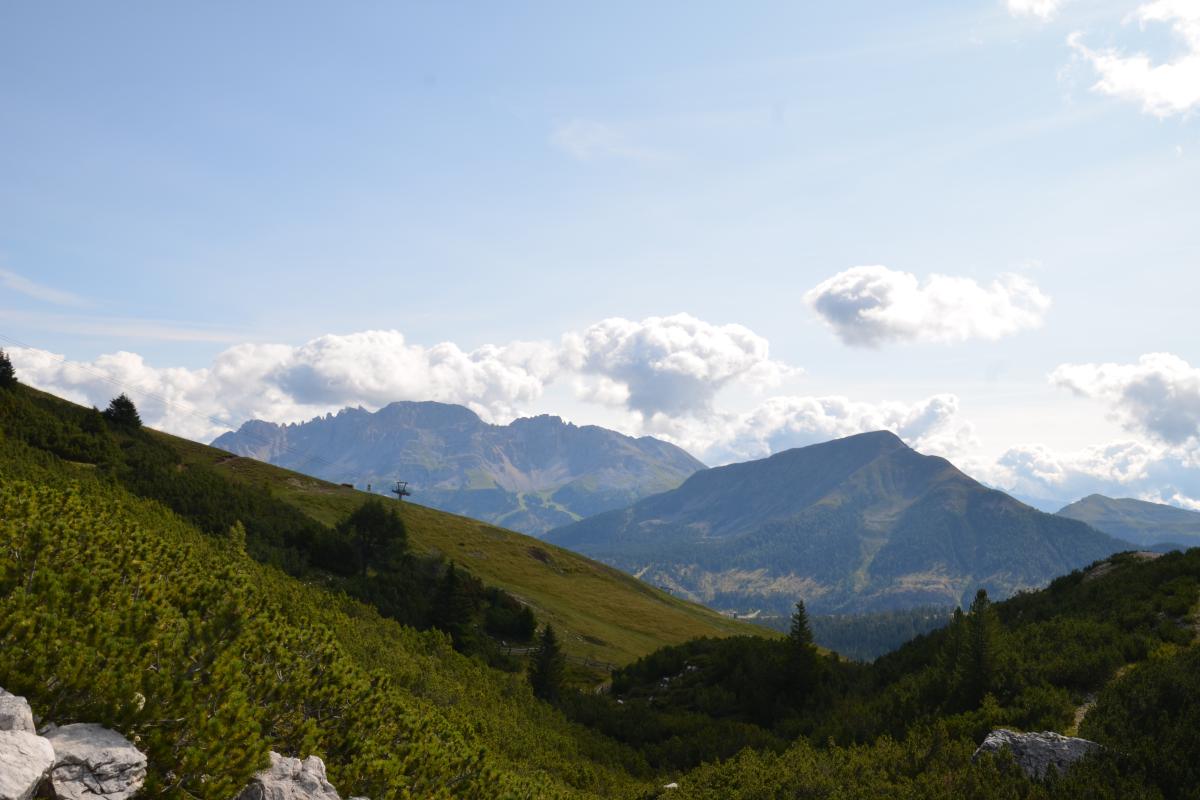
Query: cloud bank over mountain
x=1157, y=400
x=662, y=374
x=667, y=375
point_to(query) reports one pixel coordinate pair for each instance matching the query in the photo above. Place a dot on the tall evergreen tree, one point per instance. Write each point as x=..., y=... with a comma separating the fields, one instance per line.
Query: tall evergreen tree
x=454, y=610
x=8, y=375
x=800, y=634
x=123, y=413
x=982, y=649
x=377, y=534
x=548, y=668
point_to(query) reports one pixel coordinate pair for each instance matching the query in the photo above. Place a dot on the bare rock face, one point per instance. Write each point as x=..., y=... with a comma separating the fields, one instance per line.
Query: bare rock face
x=15, y=714
x=25, y=761
x=290, y=779
x=1037, y=753
x=92, y=762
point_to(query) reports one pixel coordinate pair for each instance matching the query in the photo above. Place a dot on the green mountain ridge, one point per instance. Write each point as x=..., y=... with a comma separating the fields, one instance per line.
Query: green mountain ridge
x=531, y=475
x=858, y=524
x=1138, y=521
x=118, y=610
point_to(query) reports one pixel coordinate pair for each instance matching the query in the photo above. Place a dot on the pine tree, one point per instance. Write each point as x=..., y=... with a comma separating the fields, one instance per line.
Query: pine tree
x=123, y=413
x=803, y=668
x=454, y=611
x=981, y=651
x=8, y=376
x=548, y=667
x=378, y=534
x=801, y=633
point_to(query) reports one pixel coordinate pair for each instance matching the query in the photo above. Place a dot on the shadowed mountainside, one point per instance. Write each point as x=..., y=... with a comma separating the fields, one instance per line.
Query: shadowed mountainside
x=1137, y=521
x=859, y=524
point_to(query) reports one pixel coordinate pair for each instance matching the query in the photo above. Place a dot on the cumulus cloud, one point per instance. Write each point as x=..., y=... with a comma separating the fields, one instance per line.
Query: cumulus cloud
x=668, y=365
x=872, y=305
x=932, y=425
x=285, y=383
x=1158, y=396
x=1162, y=89
x=1146, y=471
x=1043, y=9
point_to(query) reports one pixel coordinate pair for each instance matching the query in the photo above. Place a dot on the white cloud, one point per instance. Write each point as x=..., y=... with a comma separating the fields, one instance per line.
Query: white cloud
x=873, y=305
x=48, y=294
x=932, y=425
x=1158, y=396
x=1145, y=471
x=1158, y=399
x=285, y=383
x=1162, y=89
x=668, y=365
x=587, y=140
x=1043, y=9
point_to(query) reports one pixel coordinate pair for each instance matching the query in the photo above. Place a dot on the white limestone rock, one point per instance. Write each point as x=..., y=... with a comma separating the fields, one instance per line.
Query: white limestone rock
x=290, y=779
x=1037, y=753
x=15, y=714
x=92, y=762
x=25, y=761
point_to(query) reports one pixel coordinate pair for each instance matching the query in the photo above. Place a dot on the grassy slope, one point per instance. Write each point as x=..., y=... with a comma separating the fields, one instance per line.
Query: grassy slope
x=602, y=613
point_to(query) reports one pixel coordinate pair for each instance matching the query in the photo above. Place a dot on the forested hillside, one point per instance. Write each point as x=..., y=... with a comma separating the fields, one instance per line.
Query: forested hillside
x=1137, y=521
x=167, y=612
x=1108, y=652
x=854, y=525
x=311, y=528
x=113, y=609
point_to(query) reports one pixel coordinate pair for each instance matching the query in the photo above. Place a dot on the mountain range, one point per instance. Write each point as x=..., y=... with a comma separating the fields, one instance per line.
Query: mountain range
x=863, y=523
x=531, y=475
x=1138, y=521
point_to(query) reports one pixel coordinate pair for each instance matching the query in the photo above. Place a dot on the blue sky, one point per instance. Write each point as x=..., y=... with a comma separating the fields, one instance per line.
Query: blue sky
x=195, y=200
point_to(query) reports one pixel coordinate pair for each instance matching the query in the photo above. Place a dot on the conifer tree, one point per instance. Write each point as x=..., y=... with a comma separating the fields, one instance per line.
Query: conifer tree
x=548, y=667
x=803, y=669
x=378, y=534
x=982, y=647
x=123, y=413
x=800, y=634
x=454, y=611
x=8, y=376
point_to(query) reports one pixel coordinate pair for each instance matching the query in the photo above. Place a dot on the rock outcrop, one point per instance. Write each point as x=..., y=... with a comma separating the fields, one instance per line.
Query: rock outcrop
x=15, y=713
x=1037, y=753
x=290, y=779
x=25, y=761
x=25, y=757
x=92, y=762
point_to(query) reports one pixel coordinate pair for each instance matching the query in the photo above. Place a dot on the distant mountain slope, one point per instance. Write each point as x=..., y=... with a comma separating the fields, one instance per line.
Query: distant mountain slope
x=857, y=524
x=531, y=475
x=1137, y=521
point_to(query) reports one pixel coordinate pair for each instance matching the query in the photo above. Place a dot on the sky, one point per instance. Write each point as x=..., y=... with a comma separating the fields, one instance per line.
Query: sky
x=975, y=223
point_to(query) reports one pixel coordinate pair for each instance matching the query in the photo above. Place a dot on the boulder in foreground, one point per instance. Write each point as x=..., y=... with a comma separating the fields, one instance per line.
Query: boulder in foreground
x=1037, y=753
x=290, y=779
x=92, y=762
x=25, y=761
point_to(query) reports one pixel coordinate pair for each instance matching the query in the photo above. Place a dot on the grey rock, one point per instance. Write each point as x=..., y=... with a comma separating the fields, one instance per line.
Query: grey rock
x=290, y=779
x=92, y=762
x=1037, y=753
x=25, y=761
x=15, y=714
